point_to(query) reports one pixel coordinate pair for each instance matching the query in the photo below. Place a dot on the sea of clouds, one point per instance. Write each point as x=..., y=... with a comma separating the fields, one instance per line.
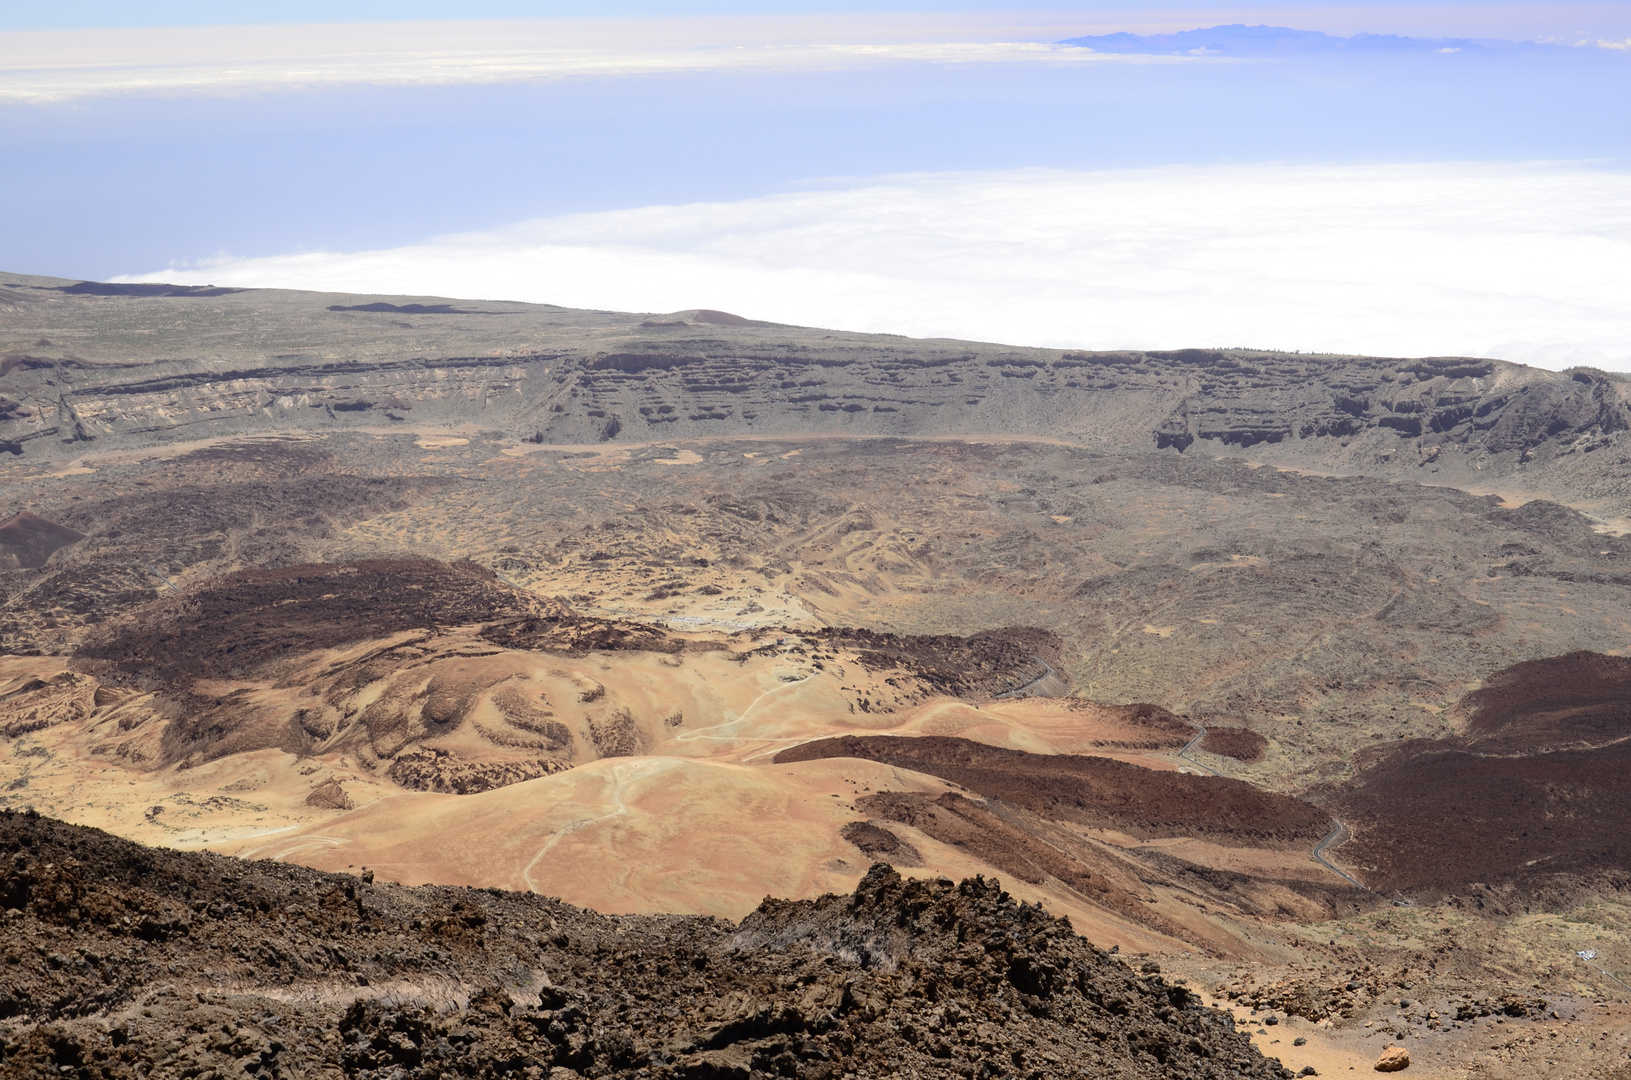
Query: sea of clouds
x=1522, y=262
x=42, y=67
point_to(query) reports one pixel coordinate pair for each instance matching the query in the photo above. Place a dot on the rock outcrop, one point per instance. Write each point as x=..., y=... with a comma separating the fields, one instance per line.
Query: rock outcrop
x=122, y=957
x=1393, y=1059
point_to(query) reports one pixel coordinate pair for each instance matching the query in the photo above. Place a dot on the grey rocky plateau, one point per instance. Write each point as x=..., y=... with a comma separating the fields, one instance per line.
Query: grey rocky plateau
x=88, y=371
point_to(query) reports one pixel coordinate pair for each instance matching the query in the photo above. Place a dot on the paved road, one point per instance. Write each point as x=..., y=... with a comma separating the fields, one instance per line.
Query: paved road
x=1047, y=669
x=1184, y=753
x=1335, y=836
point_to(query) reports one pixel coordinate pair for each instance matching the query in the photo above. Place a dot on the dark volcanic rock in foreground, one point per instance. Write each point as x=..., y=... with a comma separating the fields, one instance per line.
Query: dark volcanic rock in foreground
x=124, y=961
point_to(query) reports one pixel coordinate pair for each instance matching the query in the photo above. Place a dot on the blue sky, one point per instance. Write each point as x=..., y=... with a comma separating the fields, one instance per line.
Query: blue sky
x=144, y=141
x=93, y=13
x=1469, y=17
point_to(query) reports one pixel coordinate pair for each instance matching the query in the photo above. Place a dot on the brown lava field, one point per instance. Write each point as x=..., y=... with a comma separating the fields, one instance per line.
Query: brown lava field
x=1538, y=786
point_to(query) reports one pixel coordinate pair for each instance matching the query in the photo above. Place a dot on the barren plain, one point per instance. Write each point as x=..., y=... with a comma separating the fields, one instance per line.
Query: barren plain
x=1300, y=678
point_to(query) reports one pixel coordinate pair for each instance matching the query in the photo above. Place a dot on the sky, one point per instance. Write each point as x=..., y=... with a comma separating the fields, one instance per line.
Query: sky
x=933, y=169
x=1454, y=17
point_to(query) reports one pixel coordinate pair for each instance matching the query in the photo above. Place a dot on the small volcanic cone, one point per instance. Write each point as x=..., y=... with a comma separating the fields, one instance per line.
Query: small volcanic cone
x=27, y=540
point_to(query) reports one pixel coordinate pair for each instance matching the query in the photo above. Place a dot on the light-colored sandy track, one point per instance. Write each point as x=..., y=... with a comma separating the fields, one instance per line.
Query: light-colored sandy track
x=702, y=733
x=621, y=775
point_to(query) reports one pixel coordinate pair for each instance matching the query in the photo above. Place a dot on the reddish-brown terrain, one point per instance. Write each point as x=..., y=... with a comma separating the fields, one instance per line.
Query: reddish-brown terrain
x=1564, y=702
x=1092, y=791
x=1242, y=744
x=1537, y=788
x=240, y=623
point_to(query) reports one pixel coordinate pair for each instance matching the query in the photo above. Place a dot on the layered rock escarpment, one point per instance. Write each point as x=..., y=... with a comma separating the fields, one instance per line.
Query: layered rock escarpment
x=203, y=363
x=1242, y=399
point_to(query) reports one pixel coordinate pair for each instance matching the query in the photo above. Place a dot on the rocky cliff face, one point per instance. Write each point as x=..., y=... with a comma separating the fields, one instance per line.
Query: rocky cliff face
x=89, y=372
x=1240, y=399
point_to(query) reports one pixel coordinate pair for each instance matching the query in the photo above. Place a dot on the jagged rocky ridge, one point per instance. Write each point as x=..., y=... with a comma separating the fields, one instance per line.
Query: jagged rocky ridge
x=124, y=961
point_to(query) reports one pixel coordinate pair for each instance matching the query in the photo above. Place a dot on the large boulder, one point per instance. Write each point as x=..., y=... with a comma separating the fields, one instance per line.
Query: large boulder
x=1393, y=1059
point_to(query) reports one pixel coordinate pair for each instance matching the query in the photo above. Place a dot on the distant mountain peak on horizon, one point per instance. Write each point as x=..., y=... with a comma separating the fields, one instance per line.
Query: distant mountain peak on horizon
x=1238, y=39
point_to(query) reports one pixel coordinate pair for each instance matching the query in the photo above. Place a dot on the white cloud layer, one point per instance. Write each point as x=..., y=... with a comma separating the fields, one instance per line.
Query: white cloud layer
x=1524, y=263
x=40, y=67
x=45, y=66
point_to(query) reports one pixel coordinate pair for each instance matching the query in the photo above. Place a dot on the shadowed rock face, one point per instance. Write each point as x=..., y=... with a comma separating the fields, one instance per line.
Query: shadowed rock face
x=1242, y=400
x=384, y=981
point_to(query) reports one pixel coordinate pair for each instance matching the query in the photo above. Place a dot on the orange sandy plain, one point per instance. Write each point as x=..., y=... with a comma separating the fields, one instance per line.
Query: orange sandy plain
x=703, y=822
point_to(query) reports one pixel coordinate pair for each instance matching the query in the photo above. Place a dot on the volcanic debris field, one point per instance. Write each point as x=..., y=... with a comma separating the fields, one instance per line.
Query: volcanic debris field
x=188, y=963
x=1212, y=712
